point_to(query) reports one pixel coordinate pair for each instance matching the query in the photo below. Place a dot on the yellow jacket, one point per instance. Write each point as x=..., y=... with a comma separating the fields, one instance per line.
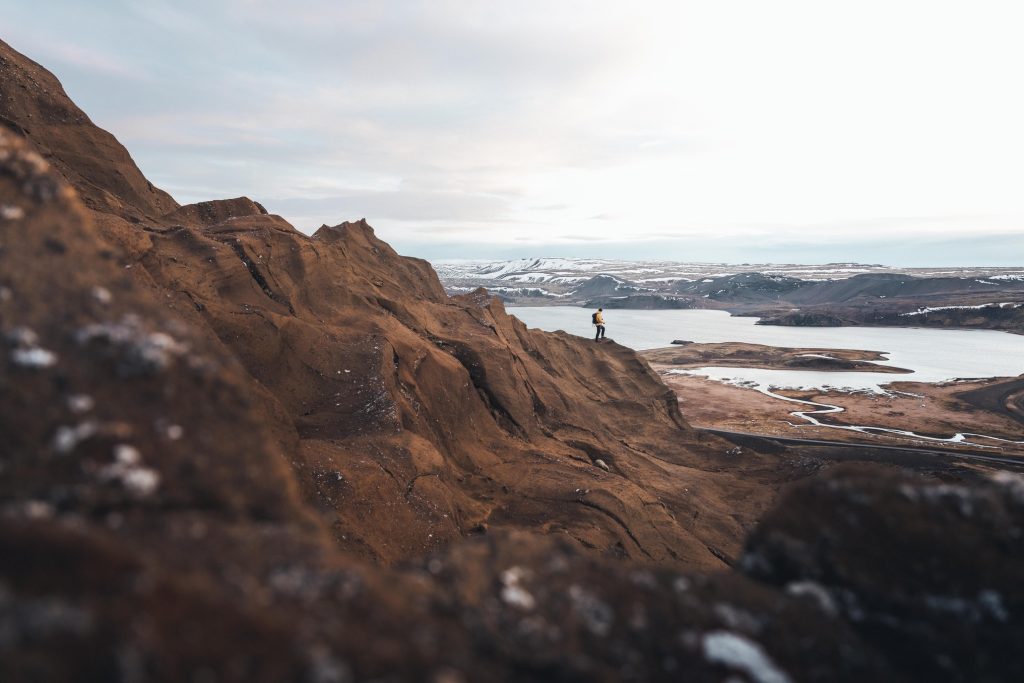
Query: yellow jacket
x=599, y=318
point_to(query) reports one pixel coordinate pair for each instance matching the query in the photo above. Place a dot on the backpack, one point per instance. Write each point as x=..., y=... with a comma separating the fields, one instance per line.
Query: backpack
x=593, y=318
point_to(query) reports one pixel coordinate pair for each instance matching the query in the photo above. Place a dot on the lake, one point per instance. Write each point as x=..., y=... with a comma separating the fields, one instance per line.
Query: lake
x=934, y=355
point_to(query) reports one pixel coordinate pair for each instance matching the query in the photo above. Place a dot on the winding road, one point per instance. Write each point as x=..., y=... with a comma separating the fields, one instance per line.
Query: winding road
x=828, y=409
x=739, y=437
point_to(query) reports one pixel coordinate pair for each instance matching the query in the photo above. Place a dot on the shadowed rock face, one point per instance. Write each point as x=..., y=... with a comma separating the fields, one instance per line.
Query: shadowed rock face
x=422, y=417
x=927, y=572
x=231, y=450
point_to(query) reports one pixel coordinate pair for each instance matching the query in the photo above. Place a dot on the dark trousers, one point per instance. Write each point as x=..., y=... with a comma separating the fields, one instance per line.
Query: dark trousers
x=600, y=332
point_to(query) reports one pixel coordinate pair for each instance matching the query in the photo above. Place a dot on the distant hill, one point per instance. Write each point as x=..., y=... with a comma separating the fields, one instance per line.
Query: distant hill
x=790, y=294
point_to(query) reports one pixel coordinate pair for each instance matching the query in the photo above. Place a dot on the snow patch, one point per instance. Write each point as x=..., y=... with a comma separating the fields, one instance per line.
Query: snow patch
x=932, y=309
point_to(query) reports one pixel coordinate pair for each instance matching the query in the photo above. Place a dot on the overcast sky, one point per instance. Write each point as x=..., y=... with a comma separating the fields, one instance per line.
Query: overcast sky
x=818, y=130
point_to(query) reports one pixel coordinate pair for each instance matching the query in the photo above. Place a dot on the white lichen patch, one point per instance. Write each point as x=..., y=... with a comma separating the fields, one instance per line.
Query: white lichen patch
x=9, y=212
x=512, y=590
x=595, y=614
x=324, y=667
x=38, y=509
x=25, y=619
x=26, y=352
x=126, y=469
x=815, y=591
x=139, y=350
x=127, y=455
x=140, y=481
x=67, y=438
x=35, y=357
x=102, y=295
x=987, y=605
x=29, y=509
x=737, y=618
x=168, y=430
x=742, y=654
x=643, y=578
x=1013, y=482
x=966, y=499
x=993, y=603
x=80, y=403
x=300, y=582
x=22, y=337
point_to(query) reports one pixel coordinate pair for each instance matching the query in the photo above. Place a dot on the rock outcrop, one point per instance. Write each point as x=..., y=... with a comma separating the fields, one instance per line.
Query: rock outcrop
x=815, y=319
x=445, y=414
x=925, y=571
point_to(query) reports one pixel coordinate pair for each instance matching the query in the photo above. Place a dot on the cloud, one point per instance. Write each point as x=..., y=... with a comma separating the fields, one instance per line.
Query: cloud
x=658, y=123
x=93, y=60
x=400, y=205
x=83, y=58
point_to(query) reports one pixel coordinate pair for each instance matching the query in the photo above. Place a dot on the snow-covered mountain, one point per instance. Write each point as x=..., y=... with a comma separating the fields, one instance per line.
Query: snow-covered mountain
x=673, y=284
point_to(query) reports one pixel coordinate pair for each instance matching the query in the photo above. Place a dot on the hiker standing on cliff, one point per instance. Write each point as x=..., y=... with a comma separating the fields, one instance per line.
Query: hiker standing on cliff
x=598, y=320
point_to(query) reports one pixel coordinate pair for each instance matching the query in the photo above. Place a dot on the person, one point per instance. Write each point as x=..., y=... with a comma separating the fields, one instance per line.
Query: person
x=598, y=320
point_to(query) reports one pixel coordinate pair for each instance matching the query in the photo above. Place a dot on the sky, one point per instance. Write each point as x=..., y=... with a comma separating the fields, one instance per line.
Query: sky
x=719, y=130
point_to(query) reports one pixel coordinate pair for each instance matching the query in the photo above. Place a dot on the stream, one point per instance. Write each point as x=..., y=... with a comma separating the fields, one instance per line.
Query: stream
x=828, y=409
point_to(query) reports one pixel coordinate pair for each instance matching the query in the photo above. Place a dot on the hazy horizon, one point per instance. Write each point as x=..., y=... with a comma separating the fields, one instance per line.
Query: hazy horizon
x=794, y=132
x=1001, y=252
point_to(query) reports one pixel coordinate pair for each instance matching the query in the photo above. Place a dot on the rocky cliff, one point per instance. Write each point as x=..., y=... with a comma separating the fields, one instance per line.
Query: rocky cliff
x=232, y=451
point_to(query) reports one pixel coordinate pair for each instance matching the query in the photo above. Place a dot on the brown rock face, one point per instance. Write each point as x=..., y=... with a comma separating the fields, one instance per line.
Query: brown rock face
x=217, y=211
x=33, y=104
x=232, y=451
x=422, y=417
x=446, y=415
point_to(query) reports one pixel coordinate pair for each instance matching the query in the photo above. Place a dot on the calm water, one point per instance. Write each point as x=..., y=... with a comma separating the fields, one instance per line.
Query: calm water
x=933, y=355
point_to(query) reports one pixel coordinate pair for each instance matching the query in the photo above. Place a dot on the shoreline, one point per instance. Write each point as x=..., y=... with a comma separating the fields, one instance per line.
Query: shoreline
x=968, y=413
x=763, y=317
